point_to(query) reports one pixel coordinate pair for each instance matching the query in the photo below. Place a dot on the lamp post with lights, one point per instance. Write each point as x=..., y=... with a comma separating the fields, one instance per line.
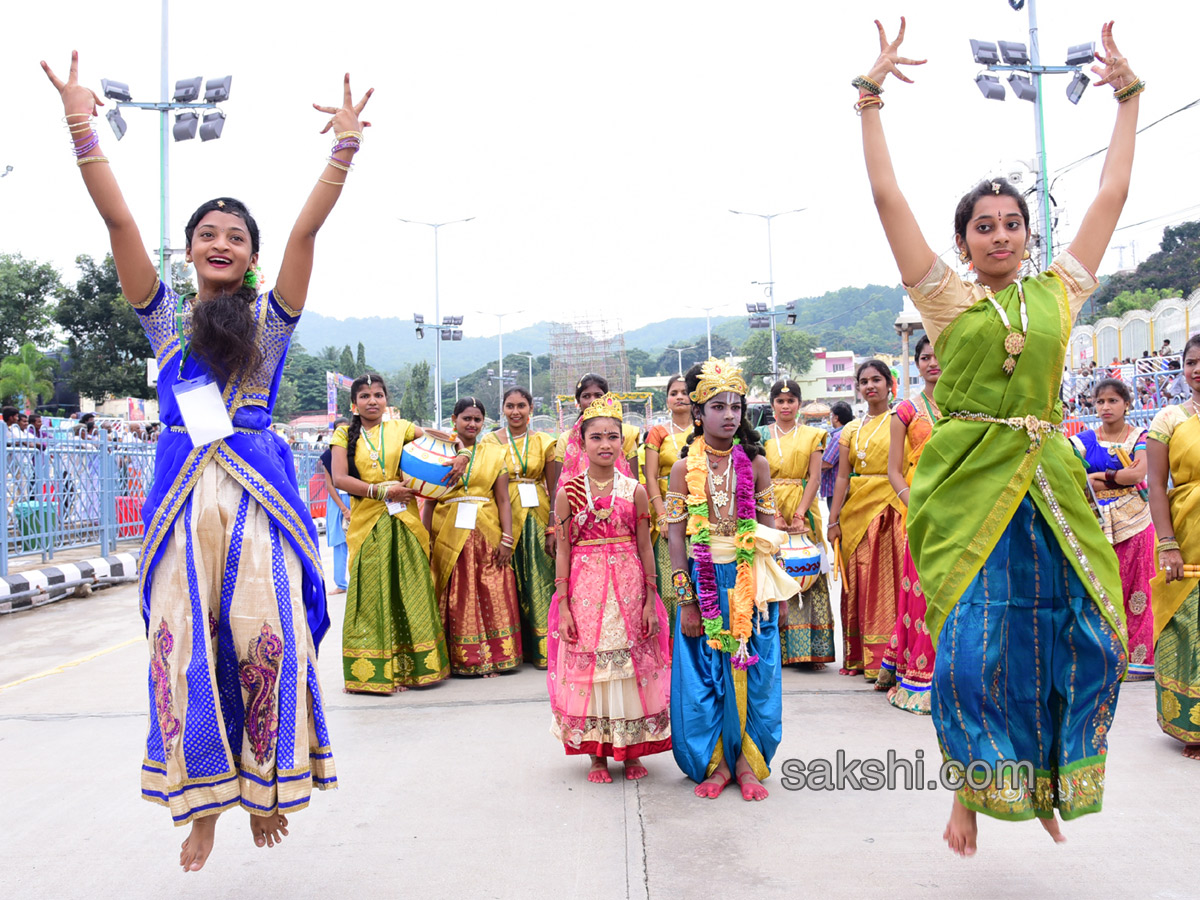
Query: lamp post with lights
x=770, y=284
x=185, y=98
x=1025, y=69
x=448, y=330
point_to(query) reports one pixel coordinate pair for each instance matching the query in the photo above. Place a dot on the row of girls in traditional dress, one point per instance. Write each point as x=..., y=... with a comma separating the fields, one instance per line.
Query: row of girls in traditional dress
x=461, y=585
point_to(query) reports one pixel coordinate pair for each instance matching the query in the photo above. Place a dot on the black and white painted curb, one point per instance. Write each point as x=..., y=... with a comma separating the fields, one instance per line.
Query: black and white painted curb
x=38, y=587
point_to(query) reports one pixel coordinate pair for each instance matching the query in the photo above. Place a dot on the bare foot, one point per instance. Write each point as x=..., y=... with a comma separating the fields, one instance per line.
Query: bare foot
x=267, y=830
x=961, y=830
x=598, y=774
x=194, y=850
x=812, y=667
x=883, y=686
x=710, y=788
x=845, y=671
x=1051, y=826
x=490, y=674
x=634, y=769
x=752, y=788
x=337, y=590
x=1192, y=751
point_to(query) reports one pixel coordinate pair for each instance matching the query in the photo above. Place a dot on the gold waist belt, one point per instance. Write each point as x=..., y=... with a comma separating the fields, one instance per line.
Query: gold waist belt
x=799, y=481
x=524, y=480
x=1034, y=427
x=1110, y=493
x=179, y=429
x=596, y=542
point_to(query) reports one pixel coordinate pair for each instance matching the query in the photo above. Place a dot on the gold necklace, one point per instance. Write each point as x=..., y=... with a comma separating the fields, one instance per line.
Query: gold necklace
x=862, y=453
x=715, y=452
x=1014, y=341
x=722, y=497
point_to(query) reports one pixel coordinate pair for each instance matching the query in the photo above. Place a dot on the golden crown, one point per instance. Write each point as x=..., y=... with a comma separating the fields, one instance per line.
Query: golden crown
x=608, y=407
x=716, y=377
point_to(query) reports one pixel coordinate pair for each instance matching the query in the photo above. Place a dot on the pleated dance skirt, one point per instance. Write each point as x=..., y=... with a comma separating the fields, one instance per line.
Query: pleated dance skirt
x=719, y=712
x=392, y=636
x=871, y=592
x=1177, y=672
x=1136, y=557
x=236, y=714
x=480, y=613
x=1027, y=672
x=808, y=635
x=535, y=586
x=907, y=667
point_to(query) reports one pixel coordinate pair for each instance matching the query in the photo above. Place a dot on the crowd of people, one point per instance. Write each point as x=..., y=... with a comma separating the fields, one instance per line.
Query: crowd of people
x=1154, y=380
x=993, y=574
x=21, y=427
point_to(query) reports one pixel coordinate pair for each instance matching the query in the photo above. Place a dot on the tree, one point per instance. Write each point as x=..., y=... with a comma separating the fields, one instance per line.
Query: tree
x=27, y=292
x=1175, y=268
x=346, y=362
x=1141, y=299
x=107, y=345
x=360, y=361
x=27, y=377
x=793, y=348
x=416, y=403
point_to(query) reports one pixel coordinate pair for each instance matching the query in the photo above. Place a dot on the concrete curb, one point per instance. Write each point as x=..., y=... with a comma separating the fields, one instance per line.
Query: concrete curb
x=37, y=587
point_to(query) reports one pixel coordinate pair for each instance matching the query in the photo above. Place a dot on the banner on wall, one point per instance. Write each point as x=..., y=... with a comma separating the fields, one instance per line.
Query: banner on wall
x=334, y=382
x=137, y=410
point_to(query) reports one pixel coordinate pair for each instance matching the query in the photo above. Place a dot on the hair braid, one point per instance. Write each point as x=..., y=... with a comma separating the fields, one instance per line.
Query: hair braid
x=352, y=434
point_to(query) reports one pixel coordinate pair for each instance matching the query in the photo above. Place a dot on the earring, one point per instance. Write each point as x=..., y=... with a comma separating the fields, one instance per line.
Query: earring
x=1025, y=255
x=697, y=421
x=962, y=254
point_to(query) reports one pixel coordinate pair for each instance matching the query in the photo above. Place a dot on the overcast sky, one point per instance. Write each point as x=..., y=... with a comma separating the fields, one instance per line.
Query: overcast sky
x=599, y=145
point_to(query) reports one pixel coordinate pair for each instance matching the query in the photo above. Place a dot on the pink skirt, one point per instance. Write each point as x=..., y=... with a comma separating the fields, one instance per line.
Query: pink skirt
x=907, y=667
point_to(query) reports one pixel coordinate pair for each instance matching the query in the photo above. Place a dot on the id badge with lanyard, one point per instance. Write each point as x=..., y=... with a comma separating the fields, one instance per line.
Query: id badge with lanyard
x=526, y=491
x=199, y=399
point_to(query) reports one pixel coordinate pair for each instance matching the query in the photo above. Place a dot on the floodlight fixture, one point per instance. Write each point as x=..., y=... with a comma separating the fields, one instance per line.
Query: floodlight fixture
x=760, y=322
x=751, y=307
x=213, y=124
x=791, y=304
x=445, y=333
x=985, y=52
x=1076, y=88
x=791, y=319
x=420, y=333
x=1014, y=53
x=117, y=121
x=186, y=124
x=217, y=89
x=457, y=334
x=115, y=90
x=187, y=90
x=1023, y=88
x=1081, y=54
x=989, y=86
x=418, y=319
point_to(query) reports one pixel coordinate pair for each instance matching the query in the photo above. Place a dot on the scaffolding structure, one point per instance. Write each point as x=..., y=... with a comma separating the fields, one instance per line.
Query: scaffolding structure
x=588, y=345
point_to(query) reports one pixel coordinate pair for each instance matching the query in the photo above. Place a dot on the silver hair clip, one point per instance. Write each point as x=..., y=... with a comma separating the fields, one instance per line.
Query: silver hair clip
x=995, y=187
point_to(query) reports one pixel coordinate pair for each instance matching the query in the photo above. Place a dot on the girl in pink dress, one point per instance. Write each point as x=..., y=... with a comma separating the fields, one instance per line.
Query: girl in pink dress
x=609, y=676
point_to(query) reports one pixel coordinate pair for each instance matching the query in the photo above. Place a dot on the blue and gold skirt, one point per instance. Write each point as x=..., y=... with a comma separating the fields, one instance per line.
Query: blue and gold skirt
x=1027, y=672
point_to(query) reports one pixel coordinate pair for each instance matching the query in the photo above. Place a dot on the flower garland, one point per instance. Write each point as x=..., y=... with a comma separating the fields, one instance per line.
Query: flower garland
x=741, y=601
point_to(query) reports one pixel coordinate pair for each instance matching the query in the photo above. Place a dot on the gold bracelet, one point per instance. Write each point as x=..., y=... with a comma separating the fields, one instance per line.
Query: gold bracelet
x=77, y=116
x=871, y=100
x=862, y=82
x=1130, y=90
x=346, y=134
x=334, y=183
x=338, y=165
x=82, y=161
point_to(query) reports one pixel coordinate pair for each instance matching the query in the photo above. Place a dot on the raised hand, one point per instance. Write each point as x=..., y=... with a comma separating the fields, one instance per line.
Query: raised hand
x=890, y=59
x=347, y=117
x=76, y=99
x=1116, y=71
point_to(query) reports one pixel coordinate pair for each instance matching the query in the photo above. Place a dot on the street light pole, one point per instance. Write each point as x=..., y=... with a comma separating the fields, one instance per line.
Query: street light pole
x=771, y=279
x=1039, y=128
x=530, y=357
x=707, y=325
x=500, y=325
x=164, y=180
x=437, y=317
x=680, y=351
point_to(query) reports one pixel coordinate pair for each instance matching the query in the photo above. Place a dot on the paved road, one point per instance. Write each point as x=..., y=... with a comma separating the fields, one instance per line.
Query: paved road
x=459, y=791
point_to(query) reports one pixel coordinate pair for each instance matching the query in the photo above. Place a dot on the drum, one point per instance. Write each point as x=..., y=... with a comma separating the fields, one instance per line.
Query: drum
x=801, y=559
x=424, y=462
